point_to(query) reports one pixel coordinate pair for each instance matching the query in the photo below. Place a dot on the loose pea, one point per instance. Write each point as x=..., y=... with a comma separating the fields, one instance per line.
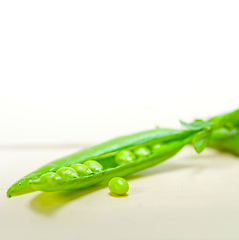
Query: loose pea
x=142, y=151
x=81, y=169
x=50, y=178
x=94, y=166
x=67, y=173
x=118, y=186
x=124, y=156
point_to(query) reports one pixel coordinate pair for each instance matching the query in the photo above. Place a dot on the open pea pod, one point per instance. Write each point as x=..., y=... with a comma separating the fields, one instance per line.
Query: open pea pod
x=129, y=154
x=104, y=154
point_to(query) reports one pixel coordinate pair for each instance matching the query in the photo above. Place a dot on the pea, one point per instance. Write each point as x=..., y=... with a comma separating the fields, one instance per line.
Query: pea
x=142, y=151
x=124, y=156
x=157, y=147
x=118, y=186
x=81, y=169
x=94, y=166
x=67, y=173
x=50, y=178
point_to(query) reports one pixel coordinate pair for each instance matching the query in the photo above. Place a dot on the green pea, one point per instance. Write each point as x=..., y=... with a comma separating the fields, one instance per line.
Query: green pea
x=157, y=147
x=50, y=178
x=67, y=173
x=81, y=169
x=94, y=166
x=124, y=156
x=142, y=151
x=118, y=186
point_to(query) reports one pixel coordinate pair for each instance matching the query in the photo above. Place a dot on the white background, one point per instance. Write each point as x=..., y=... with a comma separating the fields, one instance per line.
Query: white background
x=85, y=71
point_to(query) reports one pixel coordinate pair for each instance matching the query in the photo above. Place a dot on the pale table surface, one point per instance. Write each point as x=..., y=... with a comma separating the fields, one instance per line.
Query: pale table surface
x=182, y=198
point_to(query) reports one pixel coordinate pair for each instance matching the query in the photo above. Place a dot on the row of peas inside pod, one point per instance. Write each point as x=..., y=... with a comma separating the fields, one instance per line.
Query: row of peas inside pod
x=74, y=171
x=125, y=156
x=117, y=185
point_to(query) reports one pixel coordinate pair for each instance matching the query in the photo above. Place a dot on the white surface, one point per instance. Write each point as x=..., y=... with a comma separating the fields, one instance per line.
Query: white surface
x=180, y=199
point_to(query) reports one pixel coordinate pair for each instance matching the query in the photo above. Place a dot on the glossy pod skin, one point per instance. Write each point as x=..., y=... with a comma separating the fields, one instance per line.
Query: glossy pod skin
x=97, y=151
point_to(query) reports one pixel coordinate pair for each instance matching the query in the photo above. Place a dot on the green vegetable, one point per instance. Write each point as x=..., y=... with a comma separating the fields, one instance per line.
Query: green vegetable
x=197, y=124
x=93, y=166
x=105, y=154
x=118, y=186
x=142, y=151
x=225, y=140
x=66, y=173
x=51, y=179
x=81, y=169
x=124, y=156
x=230, y=119
x=158, y=147
x=127, y=155
x=121, y=170
x=201, y=139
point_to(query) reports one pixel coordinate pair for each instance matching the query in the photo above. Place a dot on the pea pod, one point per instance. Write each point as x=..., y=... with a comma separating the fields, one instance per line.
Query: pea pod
x=129, y=154
x=122, y=170
x=217, y=125
x=225, y=140
x=229, y=119
x=103, y=151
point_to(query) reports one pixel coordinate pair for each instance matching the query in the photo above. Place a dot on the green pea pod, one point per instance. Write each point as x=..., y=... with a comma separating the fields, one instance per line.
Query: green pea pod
x=131, y=167
x=168, y=142
x=225, y=140
x=200, y=140
x=223, y=134
x=101, y=151
x=231, y=118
